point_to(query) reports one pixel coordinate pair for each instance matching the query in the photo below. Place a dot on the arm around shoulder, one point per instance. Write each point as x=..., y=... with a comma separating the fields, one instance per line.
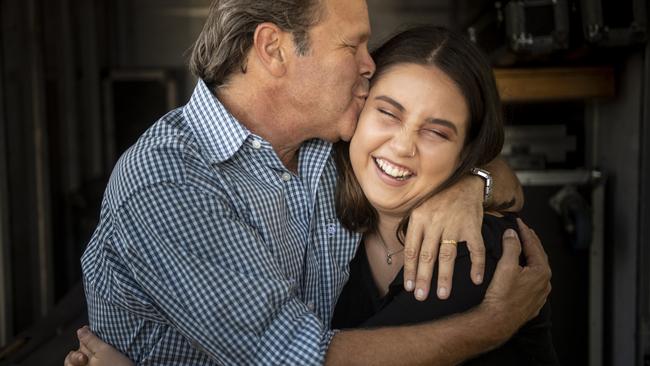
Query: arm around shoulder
x=515, y=295
x=448, y=341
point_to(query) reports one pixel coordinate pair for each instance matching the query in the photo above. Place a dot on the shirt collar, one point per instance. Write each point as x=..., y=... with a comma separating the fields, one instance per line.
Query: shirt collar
x=214, y=127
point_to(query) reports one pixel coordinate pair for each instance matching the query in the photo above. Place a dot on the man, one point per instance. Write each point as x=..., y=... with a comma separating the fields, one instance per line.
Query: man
x=218, y=241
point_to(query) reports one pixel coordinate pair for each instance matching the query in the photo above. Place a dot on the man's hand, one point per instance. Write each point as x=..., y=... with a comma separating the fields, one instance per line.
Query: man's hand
x=516, y=294
x=453, y=214
x=94, y=352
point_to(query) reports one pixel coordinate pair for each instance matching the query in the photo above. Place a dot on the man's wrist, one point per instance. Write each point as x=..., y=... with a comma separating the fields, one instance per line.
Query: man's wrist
x=488, y=184
x=497, y=325
x=472, y=186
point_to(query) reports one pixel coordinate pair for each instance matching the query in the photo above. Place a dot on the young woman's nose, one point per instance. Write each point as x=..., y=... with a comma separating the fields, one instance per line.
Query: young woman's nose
x=403, y=144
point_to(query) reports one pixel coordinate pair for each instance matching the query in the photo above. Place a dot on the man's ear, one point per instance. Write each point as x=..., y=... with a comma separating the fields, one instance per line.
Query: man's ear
x=270, y=43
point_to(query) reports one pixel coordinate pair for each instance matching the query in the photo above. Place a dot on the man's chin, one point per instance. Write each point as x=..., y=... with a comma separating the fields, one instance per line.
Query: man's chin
x=347, y=133
x=346, y=129
x=347, y=137
x=337, y=139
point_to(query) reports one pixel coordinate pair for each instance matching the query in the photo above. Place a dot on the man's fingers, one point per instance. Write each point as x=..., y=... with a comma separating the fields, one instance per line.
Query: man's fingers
x=446, y=260
x=532, y=246
x=476, y=248
x=426, y=260
x=511, y=249
x=412, y=244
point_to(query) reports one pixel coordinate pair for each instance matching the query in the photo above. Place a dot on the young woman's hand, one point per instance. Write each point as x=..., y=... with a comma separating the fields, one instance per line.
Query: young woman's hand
x=94, y=352
x=453, y=215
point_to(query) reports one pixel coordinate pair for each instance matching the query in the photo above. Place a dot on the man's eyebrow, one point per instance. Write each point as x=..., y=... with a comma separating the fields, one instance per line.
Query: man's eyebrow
x=391, y=101
x=358, y=38
x=443, y=122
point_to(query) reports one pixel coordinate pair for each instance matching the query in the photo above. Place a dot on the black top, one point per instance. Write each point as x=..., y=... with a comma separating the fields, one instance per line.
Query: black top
x=360, y=304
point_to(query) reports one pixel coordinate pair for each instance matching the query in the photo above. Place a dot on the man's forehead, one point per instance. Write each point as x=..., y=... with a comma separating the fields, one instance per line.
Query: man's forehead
x=347, y=10
x=353, y=14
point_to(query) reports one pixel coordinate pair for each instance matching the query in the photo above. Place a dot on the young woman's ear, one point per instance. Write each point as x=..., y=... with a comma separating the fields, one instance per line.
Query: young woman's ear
x=269, y=43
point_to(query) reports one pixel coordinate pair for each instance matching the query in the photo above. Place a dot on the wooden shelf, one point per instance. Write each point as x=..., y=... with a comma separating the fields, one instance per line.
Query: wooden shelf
x=547, y=84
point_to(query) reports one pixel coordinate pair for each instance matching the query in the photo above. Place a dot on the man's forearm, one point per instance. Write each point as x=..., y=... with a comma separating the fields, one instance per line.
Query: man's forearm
x=507, y=194
x=448, y=341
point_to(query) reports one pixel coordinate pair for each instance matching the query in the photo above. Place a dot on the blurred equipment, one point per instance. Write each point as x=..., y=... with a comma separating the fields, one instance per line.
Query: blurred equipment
x=533, y=147
x=528, y=31
x=513, y=30
x=566, y=208
x=575, y=215
x=537, y=26
x=614, y=23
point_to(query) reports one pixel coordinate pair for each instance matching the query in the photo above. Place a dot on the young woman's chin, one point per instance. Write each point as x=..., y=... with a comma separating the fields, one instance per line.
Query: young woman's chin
x=396, y=204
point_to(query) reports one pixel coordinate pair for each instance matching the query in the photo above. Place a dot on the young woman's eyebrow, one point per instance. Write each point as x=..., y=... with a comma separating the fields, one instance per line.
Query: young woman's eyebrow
x=391, y=101
x=443, y=122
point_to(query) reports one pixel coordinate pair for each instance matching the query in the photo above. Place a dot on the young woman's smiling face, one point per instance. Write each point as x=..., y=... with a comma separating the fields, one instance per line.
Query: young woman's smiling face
x=409, y=137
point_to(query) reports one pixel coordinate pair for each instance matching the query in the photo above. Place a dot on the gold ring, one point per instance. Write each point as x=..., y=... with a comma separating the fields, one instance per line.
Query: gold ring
x=449, y=241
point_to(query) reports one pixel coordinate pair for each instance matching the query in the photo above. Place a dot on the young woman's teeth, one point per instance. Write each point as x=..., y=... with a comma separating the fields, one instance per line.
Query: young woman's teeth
x=390, y=169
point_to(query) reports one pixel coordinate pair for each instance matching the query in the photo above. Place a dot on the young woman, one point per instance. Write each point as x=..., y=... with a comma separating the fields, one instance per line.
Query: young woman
x=432, y=114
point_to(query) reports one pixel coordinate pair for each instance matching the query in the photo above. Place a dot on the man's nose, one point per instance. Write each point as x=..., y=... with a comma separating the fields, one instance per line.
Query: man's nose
x=367, y=66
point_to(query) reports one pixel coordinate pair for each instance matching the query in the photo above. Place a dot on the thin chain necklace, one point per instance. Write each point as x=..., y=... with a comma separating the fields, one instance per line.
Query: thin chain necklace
x=389, y=255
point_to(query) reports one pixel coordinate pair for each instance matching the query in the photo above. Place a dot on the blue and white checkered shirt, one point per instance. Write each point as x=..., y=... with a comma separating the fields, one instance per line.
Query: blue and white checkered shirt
x=209, y=251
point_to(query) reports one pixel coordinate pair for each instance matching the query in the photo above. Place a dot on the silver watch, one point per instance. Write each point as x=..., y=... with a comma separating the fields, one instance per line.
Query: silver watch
x=487, y=177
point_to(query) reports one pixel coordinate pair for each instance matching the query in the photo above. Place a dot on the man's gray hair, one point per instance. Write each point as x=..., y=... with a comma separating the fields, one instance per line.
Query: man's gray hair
x=227, y=35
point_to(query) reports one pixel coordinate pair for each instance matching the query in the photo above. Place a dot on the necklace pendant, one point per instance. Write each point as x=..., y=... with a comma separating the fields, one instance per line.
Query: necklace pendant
x=389, y=259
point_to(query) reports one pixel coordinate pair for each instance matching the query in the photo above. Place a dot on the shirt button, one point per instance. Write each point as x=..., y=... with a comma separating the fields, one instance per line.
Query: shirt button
x=257, y=144
x=286, y=176
x=310, y=306
x=331, y=229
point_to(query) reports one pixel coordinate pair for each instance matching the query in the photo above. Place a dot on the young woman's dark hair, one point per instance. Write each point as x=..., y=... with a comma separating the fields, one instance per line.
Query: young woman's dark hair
x=465, y=64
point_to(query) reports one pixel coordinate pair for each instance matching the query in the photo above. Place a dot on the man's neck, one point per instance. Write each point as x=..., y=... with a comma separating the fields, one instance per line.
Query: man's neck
x=256, y=110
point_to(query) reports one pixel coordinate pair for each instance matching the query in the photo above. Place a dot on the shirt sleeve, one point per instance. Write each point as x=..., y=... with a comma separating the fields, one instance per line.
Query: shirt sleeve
x=211, y=277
